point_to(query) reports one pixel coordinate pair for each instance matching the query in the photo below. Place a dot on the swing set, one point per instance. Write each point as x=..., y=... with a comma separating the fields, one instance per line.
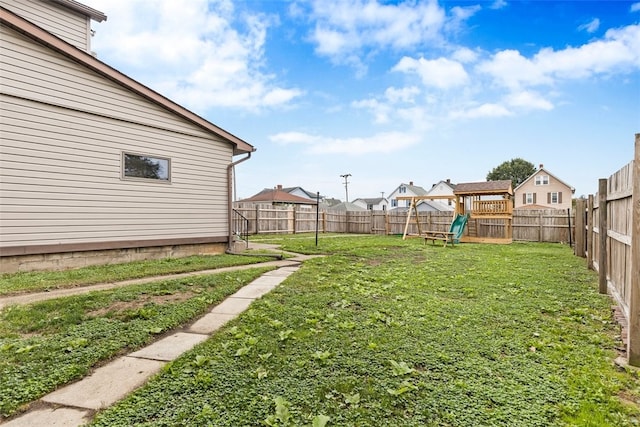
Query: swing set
x=483, y=214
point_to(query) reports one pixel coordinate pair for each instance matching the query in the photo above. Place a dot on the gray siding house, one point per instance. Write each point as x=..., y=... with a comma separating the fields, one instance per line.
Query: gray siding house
x=94, y=166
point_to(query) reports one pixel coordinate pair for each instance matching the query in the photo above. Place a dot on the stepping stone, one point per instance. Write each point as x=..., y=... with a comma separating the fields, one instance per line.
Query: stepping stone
x=211, y=322
x=232, y=306
x=265, y=280
x=107, y=384
x=253, y=291
x=61, y=417
x=171, y=347
x=281, y=272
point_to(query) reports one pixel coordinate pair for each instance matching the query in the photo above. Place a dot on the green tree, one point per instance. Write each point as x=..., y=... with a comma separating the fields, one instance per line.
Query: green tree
x=517, y=170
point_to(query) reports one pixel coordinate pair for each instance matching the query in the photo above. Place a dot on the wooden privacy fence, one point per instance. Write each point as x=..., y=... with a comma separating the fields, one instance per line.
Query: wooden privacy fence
x=534, y=225
x=609, y=238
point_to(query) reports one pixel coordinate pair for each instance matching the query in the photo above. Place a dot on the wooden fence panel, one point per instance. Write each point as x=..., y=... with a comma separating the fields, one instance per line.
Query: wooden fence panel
x=542, y=225
x=614, y=216
x=379, y=223
x=619, y=225
x=306, y=220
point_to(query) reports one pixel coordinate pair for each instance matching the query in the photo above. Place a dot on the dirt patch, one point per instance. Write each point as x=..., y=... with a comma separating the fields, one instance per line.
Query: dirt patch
x=629, y=399
x=121, y=306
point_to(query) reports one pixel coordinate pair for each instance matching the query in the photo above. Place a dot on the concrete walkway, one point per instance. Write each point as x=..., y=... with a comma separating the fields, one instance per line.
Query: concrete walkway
x=76, y=403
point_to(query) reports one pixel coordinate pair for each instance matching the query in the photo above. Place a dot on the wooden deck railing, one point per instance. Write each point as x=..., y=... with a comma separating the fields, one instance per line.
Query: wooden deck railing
x=492, y=207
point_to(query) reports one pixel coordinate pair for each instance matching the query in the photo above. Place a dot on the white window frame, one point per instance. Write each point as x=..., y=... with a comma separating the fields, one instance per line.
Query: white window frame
x=529, y=199
x=542, y=180
x=555, y=197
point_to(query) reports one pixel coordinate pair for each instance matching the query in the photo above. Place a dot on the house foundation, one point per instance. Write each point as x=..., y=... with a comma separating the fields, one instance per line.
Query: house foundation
x=78, y=259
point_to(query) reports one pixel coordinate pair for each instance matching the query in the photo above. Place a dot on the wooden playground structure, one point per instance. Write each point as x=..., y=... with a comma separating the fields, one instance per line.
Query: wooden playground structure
x=487, y=206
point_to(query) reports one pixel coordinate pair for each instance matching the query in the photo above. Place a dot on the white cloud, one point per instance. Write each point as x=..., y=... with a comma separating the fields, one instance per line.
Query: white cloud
x=635, y=7
x=464, y=55
x=463, y=13
x=192, y=52
x=591, y=26
x=405, y=94
x=385, y=142
x=528, y=100
x=346, y=27
x=617, y=52
x=499, y=4
x=379, y=110
x=441, y=73
x=483, y=111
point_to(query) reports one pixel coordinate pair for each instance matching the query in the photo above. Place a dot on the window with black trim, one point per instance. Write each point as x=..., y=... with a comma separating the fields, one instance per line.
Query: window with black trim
x=137, y=166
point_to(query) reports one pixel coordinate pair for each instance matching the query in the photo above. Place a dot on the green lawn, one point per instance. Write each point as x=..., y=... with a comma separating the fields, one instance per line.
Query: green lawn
x=48, y=344
x=385, y=332
x=14, y=283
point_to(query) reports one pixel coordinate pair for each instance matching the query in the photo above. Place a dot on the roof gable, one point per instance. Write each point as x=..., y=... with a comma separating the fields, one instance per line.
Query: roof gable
x=415, y=189
x=373, y=201
x=543, y=171
x=49, y=40
x=278, y=195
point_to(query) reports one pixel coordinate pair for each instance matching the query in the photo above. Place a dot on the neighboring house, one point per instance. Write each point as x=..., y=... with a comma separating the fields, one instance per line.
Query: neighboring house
x=347, y=206
x=301, y=192
x=433, y=206
x=278, y=196
x=442, y=188
x=328, y=202
x=94, y=165
x=374, y=204
x=543, y=190
x=405, y=190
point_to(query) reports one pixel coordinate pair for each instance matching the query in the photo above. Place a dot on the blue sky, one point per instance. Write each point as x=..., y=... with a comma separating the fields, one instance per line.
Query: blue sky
x=393, y=91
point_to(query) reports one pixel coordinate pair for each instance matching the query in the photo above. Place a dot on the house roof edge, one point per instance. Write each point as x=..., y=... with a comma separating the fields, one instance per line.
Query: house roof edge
x=44, y=37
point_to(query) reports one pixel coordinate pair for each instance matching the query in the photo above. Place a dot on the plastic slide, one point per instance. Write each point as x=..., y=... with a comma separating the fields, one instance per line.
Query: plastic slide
x=457, y=227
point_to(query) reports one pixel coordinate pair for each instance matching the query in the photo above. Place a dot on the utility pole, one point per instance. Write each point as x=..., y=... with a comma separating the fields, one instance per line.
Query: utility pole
x=346, y=185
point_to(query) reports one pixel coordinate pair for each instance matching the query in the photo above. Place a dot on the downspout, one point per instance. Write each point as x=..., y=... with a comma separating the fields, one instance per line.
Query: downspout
x=230, y=199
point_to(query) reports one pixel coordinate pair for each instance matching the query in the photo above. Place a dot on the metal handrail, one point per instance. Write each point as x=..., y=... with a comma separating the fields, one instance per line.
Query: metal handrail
x=241, y=226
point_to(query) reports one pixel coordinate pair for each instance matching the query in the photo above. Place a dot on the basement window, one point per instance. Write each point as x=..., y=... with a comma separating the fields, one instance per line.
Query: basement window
x=137, y=166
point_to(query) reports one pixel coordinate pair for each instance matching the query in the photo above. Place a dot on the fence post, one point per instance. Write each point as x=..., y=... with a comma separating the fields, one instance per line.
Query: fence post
x=541, y=227
x=633, y=350
x=295, y=219
x=602, y=236
x=590, y=232
x=257, y=219
x=324, y=221
x=579, y=224
x=387, y=228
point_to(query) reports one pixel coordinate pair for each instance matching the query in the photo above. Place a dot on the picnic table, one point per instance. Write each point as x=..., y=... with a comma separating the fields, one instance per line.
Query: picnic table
x=444, y=236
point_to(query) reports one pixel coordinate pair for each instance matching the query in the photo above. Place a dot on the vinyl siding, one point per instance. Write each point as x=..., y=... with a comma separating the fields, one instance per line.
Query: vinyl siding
x=541, y=193
x=64, y=129
x=34, y=72
x=72, y=27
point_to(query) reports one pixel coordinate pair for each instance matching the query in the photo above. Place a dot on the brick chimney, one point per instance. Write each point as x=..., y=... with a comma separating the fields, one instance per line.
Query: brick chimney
x=541, y=166
x=279, y=187
x=410, y=182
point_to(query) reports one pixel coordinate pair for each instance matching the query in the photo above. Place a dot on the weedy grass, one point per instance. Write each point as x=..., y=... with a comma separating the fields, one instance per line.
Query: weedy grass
x=12, y=283
x=385, y=332
x=47, y=344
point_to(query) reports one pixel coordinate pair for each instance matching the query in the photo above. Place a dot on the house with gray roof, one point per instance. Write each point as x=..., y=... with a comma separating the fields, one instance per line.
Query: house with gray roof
x=373, y=204
x=278, y=196
x=405, y=190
